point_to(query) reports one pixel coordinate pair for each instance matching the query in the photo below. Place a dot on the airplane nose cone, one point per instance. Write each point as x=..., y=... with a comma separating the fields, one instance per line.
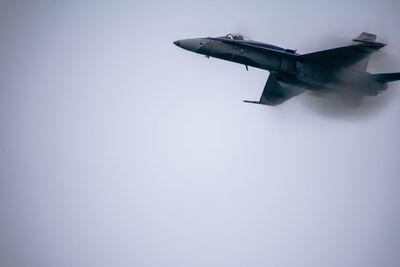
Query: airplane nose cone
x=190, y=44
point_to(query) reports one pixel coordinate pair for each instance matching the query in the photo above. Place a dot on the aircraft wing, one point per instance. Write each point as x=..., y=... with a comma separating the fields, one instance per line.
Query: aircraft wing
x=343, y=57
x=274, y=93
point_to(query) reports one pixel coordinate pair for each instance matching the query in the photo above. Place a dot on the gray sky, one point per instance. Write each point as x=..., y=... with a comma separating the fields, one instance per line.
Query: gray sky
x=119, y=149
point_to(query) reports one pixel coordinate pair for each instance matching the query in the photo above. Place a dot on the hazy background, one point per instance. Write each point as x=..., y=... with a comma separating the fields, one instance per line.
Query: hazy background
x=117, y=148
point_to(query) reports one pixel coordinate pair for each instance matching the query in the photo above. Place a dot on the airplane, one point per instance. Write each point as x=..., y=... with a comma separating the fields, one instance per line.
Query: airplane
x=340, y=70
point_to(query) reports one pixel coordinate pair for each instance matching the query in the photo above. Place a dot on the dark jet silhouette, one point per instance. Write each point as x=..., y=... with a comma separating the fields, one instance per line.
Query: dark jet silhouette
x=339, y=70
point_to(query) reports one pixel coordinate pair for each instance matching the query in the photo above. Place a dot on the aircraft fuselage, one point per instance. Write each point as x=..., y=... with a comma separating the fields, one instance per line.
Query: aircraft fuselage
x=319, y=71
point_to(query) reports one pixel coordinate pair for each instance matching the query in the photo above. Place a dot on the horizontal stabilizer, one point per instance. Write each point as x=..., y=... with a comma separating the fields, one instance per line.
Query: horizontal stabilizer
x=386, y=77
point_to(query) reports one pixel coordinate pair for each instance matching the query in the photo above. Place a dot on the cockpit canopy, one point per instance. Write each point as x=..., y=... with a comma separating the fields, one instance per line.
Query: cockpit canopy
x=235, y=36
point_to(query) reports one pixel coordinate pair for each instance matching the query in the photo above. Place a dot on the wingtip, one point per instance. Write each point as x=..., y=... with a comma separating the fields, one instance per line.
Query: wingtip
x=258, y=103
x=251, y=102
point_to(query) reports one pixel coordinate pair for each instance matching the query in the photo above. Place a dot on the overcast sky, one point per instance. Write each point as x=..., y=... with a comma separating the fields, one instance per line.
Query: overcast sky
x=118, y=148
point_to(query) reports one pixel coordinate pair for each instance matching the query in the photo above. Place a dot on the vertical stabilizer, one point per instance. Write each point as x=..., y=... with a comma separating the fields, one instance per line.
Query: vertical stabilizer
x=366, y=37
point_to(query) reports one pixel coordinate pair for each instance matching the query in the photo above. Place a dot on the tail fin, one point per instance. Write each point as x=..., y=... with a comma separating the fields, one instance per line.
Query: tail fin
x=366, y=37
x=369, y=40
x=386, y=77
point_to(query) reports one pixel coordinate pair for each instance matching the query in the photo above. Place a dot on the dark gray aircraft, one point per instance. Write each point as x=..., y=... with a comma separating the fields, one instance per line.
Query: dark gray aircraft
x=339, y=70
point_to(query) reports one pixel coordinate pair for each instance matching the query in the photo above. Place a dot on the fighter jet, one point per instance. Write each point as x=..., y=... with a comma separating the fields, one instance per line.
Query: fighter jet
x=340, y=70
